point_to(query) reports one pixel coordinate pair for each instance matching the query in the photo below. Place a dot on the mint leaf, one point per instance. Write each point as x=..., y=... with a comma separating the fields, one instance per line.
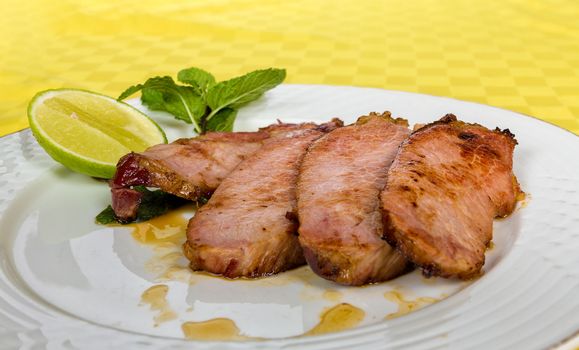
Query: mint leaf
x=129, y=91
x=181, y=101
x=107, y=216
x=222, y=121
x=236, y=92
x=162, y=94
x=198, y=78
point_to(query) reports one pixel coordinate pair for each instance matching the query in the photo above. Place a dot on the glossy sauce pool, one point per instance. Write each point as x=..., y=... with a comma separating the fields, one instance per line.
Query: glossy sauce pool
x=166, y=234
x=338, y=318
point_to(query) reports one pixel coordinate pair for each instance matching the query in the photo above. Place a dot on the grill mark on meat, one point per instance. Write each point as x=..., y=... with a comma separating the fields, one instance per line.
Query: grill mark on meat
x=188, y=168
x=442, y=219
x=338, y=201
x=248, y=228
x=467, y=136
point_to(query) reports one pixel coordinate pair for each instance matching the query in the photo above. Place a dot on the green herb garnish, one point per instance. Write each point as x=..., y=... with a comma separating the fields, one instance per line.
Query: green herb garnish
x=203, y=102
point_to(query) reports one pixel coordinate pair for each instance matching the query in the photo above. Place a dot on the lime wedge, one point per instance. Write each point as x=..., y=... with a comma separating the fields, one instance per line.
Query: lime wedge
x=89, y=132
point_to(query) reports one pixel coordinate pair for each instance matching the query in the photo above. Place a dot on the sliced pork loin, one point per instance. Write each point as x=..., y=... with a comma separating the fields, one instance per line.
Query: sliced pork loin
x=447, y=183
x=248, y=227
x=338, y=201
x=188, y=168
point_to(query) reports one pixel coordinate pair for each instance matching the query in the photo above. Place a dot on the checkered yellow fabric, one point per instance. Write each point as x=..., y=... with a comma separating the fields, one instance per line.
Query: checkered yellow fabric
x=516, y=54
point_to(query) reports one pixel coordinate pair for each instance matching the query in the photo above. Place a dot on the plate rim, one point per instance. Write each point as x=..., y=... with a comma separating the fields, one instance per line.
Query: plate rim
x=352, y=332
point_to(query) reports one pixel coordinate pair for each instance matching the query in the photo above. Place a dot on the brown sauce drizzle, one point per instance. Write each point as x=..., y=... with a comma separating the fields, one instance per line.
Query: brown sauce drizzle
x=339, y=318
x=165, y=229
x=406, y=306
x=523, y=198
x=166, y=235
x=214, y=329
x=156, y=298
x=332, y=295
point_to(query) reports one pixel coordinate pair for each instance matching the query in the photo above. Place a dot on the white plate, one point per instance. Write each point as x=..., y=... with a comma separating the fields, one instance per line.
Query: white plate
x=66, y=282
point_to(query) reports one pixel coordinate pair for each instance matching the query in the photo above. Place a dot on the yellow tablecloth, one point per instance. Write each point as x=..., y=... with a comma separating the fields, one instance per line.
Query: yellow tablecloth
x=516, y=54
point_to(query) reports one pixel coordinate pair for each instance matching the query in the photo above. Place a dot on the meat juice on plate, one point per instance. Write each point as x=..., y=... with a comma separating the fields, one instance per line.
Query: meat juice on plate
x=338, y=318
x=165, y=236
x=214, y=329
x=156, y=298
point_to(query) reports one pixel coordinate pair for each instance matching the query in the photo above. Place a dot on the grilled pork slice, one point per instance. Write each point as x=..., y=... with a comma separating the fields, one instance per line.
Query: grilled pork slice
x=338, y=201
x=189, y=168
x=447, y=183
x=248, y=228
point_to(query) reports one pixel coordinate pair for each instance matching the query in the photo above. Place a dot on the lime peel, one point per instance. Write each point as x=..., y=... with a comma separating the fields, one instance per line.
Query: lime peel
x=88, y=132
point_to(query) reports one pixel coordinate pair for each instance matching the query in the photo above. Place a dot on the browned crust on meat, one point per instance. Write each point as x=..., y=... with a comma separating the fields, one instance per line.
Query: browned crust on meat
x=419, y=251
x=329, y=261
x=172, y=182
x=237, y=262
x=331, y=125
x=338, y=200
x=451, y=119
x=416, y=227
x=386, y=115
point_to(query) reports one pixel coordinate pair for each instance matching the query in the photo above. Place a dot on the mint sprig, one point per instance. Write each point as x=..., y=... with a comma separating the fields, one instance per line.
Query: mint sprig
x=208, y=105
